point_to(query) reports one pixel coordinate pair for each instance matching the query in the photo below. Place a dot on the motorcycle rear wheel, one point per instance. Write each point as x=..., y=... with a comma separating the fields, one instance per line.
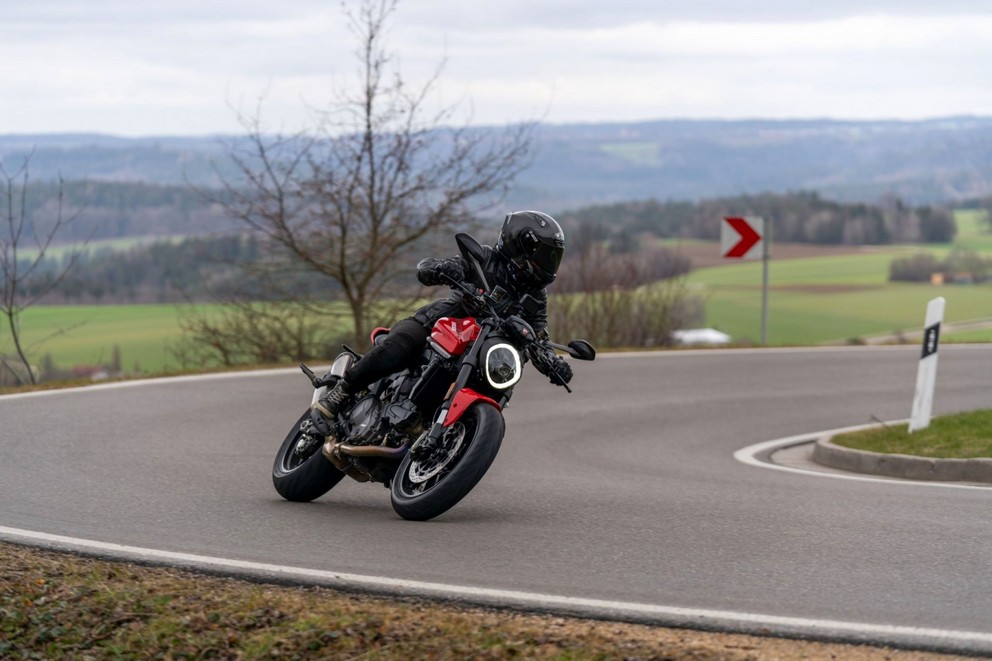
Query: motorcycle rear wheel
x=422, y=490
x=302, y=478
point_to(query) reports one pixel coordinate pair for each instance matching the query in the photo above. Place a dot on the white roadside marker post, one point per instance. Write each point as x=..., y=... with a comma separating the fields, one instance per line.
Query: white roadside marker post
x=926, y=375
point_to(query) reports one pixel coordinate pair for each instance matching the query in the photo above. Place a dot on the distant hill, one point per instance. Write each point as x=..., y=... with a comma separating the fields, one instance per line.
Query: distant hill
x=931, y=161
x=922, y=162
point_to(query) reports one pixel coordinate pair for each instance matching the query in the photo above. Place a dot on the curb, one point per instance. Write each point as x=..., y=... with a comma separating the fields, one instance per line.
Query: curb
x=903, y=466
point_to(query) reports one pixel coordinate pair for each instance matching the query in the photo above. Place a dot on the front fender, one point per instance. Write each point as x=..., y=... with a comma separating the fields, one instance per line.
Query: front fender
x=463, y=399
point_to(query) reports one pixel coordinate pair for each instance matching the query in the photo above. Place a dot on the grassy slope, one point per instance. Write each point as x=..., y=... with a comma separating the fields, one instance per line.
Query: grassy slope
x=61, y=606
x=959, y=436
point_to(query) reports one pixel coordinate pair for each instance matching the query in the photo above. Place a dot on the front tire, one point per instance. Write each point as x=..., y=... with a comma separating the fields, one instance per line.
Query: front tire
x=424, y=489
x=302, y=477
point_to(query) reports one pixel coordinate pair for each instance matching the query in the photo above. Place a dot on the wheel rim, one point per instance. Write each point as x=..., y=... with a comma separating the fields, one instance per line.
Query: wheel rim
x=422, y=475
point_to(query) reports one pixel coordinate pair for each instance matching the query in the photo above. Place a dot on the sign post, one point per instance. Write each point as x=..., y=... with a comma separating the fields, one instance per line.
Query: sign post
x=926, y=375
x=745, y=238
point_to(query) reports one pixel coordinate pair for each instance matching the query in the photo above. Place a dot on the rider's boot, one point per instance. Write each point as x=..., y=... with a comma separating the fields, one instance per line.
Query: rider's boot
x=325, y=409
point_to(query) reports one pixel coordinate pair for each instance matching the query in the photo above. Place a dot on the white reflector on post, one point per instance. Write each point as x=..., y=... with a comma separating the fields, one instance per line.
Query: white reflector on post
x=926, y=376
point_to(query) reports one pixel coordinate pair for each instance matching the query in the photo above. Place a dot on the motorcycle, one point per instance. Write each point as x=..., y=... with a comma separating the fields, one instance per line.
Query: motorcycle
x=454, y=396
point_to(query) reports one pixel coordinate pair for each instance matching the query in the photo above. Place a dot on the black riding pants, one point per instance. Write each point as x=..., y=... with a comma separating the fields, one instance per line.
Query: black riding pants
x=402, y=345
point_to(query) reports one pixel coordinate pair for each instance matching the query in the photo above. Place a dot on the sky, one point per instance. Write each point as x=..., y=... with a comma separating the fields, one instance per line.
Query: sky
x=188, y=67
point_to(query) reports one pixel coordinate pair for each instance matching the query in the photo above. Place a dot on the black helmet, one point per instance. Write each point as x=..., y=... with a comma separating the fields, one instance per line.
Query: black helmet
x=534, y=244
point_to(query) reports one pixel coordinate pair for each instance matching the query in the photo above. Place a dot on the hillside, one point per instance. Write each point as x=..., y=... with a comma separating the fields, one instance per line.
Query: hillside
x=929, y=161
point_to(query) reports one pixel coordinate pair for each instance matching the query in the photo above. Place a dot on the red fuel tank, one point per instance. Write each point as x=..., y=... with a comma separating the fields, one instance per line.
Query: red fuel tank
x=454, y=335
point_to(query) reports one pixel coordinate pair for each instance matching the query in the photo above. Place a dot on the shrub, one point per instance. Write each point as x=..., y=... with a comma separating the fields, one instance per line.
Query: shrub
x=635, y=299
x=915, y=268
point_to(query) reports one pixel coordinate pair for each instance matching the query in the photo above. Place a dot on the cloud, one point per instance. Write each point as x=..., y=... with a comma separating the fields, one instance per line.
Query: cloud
x=585, y=14
x=151, y=67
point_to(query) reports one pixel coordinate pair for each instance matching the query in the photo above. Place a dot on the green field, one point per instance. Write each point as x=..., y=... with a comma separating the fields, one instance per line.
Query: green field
x=812, y=300
x=87, y=334
x=60, y=251
x=838, y=298
x=973, y=230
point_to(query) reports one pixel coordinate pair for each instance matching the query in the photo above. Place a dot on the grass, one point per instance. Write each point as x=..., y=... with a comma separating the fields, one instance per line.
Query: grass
x=55, y=605
x=840, y=297
x=974, y=230
x=808, y=316
x=958, y=436
x=87, y=334
x=984, y=335
x=812, y=300
x=61, y=250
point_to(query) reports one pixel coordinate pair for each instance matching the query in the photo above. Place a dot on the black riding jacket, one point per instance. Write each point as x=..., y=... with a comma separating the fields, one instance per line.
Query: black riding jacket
x=497, y=271
x=406, y=339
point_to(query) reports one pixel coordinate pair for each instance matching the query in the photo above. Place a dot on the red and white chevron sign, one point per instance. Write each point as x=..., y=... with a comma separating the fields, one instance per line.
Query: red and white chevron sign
x=741, y=237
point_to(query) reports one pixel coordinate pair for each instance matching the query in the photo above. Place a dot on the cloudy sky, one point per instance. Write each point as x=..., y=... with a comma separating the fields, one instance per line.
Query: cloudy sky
x=169, y=67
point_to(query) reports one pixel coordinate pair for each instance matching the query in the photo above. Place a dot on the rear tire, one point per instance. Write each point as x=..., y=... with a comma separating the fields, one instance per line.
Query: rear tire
x=415, y=498
x=302, y=478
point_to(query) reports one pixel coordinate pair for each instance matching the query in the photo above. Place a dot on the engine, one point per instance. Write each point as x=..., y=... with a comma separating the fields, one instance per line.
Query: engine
x=363, y=421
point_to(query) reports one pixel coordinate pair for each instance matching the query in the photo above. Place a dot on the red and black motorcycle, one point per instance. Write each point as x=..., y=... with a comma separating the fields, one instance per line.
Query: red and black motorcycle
x=454, y=396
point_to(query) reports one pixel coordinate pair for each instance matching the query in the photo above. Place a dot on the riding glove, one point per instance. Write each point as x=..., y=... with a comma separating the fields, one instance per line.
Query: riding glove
x=432, y=271
x=550, y=364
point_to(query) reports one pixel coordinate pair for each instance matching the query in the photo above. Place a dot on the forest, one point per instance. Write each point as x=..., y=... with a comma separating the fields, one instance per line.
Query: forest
x=802, y=217
x=190, y=250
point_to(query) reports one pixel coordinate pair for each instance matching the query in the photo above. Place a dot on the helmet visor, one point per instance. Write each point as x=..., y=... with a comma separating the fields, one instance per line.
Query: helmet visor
x=540, y=256
x=547, y=257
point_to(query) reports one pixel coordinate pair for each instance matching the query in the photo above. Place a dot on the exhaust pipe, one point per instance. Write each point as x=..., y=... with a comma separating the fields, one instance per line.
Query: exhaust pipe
x=377, y=451
x=330, y=452
x=333, y=450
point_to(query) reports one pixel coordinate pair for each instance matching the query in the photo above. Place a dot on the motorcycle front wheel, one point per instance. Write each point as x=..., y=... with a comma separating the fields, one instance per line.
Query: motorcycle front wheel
x=301, y=473
x=423, y=489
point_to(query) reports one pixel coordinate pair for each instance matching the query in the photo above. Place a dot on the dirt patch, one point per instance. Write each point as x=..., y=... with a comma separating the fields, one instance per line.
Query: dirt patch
x=56, y=605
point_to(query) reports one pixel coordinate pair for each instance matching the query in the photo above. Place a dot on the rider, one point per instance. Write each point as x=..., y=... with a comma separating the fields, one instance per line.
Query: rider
x=524, y=261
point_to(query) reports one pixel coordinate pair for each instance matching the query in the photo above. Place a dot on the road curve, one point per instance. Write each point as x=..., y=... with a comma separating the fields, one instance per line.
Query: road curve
x=623, y=499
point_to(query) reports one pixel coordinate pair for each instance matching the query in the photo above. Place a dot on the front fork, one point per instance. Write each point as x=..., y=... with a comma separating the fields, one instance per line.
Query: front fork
x=460, y=397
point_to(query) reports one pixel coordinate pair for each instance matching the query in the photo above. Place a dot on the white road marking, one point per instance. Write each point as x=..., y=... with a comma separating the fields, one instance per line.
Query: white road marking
x=668, y=353
x=749, y=454
x=116, y=385
x=633, y=611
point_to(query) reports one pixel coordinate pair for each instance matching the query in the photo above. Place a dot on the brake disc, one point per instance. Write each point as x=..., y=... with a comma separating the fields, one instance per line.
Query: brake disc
x=424, y=469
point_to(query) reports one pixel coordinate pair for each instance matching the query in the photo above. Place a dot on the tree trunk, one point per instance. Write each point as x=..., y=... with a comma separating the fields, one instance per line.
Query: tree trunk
x=360, y=316
x=12, y=323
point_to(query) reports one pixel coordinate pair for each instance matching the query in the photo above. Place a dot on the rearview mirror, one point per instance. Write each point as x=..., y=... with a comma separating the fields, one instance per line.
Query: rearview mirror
x=469, y=246
x=474, y=254
x=582, y=350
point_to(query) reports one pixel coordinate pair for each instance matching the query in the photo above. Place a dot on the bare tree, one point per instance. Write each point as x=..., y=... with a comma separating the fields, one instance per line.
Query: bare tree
x=25, y=275
x=353, y=199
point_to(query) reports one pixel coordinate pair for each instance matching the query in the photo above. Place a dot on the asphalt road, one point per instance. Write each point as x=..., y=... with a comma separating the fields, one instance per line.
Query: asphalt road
x=625, y=491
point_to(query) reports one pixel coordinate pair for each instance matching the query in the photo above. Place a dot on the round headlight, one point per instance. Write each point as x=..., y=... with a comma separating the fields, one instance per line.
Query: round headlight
x=502, y=366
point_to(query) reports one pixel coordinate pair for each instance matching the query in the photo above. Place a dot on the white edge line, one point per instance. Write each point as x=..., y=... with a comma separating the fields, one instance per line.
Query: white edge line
x=749, y=454
x=280, y=371
x=631, y=611
x=134, y=383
